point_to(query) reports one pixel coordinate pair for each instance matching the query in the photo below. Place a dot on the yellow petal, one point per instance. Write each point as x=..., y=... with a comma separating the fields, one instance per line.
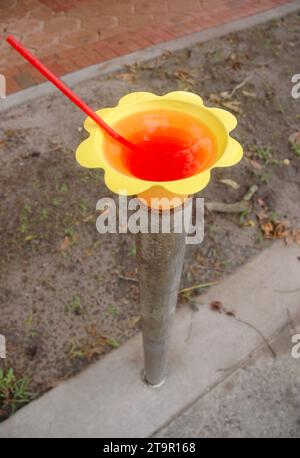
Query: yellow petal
x=189, y=185
x=125, y=185
x=86, y=154
x=225, y=117
x=136, y=97
x=184, y=96
x=232, y=155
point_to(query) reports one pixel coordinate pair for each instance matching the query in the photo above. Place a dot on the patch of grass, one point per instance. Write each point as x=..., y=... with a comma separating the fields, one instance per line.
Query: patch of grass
x=64, y=188
x=75, y=305
x=112, y=342
x=83, y=206
x=225, y=263
x=274, y=218
x=132, y=250
x=263, y=177
x=24, y=219
x=70, y=231
x=26, y=209
x=13, y=391
x=56, y=201
x=263, y=153
x=296, y=149
x=29, y=324
x=211, y=228
x=24, y=227
x=75, y=351
x=96, y=174
x=85, y=176
x=243, y=216
x=259, y=240
x=65, y=254
x=45, y=213
x=112, y=309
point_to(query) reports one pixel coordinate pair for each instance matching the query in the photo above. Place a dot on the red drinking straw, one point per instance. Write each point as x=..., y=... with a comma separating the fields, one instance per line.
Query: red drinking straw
x=68, y=92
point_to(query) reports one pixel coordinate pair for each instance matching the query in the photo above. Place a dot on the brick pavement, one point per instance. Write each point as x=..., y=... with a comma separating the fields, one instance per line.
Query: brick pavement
x=72, y=34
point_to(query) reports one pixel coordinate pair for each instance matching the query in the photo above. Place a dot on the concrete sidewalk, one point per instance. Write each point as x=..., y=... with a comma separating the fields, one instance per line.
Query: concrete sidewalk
x=259, y=399
x=209, y=351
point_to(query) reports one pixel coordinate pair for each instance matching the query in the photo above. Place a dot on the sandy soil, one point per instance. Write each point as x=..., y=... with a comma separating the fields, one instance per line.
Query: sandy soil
x=68, y=295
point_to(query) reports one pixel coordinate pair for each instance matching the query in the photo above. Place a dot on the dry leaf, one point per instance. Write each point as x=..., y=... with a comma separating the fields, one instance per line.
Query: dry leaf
x=233, y=61
x=233, y=105
x=296, y=236
x=88, y=253
x=262, y=216
x=185, y=77
x=65, y=244
x=261, y=203
x=10, y=133
x=224, y=94
x=255, y=164
x=133, y=322
x=127, y=77
x=233, y=184
x=294, y=139
x=249, y=94
x=88, y=218
x=276, y=230
x=281, y=230
x=267, y=229
x=250, y=223
x=216, y=306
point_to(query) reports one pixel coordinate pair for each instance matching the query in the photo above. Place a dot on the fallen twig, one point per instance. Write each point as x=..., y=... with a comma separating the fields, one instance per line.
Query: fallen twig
x=190, y=327
x=231, y=368
x=240, y=85
x=192, y=288
x=250, y=193
x=221, y=309
x=237, y=207
x=242, y=206
x=260, y=333
x=216, y=269
x=287, y=290
x=123, y=277
x=292, y=324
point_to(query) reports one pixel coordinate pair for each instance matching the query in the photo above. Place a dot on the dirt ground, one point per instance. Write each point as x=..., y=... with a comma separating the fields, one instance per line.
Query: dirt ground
x=68, y=294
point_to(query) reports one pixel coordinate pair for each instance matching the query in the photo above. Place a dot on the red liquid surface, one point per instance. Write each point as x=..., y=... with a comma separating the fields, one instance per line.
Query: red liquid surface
x=171, y=146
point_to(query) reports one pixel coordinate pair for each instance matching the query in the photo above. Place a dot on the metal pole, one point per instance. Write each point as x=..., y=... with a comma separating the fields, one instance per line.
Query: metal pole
x=160, y=258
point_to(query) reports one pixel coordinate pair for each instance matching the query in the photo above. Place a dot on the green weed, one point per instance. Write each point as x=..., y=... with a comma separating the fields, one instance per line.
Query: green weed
x=13, y=391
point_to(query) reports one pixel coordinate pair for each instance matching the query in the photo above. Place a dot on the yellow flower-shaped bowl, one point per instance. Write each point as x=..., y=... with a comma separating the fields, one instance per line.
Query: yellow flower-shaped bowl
x=183, y=112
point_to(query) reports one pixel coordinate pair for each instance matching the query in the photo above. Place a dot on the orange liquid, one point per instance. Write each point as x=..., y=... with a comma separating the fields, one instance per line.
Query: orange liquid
x=172, y=146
